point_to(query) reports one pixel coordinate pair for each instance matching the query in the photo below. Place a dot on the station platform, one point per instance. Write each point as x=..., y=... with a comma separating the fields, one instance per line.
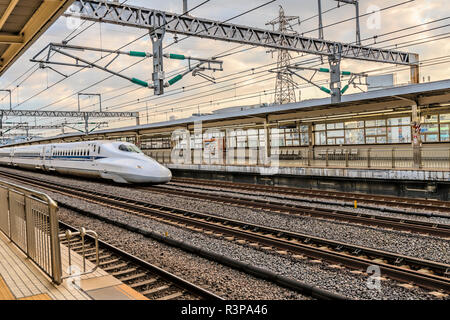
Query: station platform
x=21, y=279
x=414, y=183
x=292, y=170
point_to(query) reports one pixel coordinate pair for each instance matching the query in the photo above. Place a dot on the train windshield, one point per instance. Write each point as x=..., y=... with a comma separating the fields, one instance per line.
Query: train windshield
x=129, y=148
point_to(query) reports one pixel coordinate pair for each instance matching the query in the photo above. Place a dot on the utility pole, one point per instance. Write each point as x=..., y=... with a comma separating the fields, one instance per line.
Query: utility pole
x=284, y=85
x=146, y=108
x=319, y=4
x=185, y=6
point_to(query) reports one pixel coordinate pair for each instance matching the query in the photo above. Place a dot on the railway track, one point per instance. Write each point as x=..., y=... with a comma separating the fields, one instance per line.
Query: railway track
x=414, y=226
x=396, y=204
x=147, y=279
x=428, y=274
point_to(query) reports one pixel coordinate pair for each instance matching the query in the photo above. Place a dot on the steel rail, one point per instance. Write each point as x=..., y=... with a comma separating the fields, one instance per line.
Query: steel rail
x=150, y=269
x=423, y=227
x=428, y=274
x=399, y=202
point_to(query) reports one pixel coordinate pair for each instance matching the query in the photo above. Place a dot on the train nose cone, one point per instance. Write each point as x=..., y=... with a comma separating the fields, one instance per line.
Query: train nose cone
x=164, y=176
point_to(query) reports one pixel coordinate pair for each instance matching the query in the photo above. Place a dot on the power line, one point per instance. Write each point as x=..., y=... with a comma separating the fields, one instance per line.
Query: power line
x=65, y=39
x=237, y=72
x=81, y=69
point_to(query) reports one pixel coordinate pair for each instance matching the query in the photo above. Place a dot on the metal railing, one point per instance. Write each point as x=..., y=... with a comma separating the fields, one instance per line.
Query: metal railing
x=340, y=157
x=69, y=235
x=30, y=220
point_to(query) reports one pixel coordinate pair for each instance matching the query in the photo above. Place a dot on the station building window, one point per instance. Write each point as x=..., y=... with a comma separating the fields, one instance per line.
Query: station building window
x=373, y=131
x=436, y=128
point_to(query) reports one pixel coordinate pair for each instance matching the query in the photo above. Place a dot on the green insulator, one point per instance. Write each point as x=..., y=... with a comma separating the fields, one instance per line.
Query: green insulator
x=139, y=82
x=177, y=56
x=325, y=90
x=344, y=89
x=346, y=73
x=324, y=70
x=175, y=79
x=138, y=54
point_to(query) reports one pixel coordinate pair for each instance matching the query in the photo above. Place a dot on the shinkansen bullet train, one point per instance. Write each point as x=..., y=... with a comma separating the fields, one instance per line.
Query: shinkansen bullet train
x=121, y=162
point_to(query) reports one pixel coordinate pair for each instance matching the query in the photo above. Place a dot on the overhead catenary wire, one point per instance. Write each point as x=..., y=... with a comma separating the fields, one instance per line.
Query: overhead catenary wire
x=224, y=76
x=66, y=40
x=81, y=69
x=136, y=40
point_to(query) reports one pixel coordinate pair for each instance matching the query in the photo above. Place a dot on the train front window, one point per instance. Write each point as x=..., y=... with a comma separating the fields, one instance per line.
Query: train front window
x=129, y=148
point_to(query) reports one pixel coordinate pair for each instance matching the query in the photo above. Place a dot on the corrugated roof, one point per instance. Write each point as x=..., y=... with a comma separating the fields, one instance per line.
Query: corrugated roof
x=416, y=91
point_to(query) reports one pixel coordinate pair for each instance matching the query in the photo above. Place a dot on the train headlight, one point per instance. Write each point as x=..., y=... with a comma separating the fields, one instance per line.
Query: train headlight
x=139, y=167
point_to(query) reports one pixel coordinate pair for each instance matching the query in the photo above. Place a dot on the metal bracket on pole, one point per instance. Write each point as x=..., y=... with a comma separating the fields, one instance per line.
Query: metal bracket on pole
x=358, y=29
x=157, y=36
x=90, y=94
x=335, y=77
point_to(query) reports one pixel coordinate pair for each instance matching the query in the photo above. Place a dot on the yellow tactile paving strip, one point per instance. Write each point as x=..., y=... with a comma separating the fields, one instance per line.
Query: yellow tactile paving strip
x=38, y=297
x=130, y=292
x=5, y=293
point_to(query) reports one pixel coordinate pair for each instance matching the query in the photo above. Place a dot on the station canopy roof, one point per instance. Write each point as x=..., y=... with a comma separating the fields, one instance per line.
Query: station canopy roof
x=384, y=100
x=22, y=22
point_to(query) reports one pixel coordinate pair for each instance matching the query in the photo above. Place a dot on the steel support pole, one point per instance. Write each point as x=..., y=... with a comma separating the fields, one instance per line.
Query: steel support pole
x=335, y=78
x=358, y=29
x=157, y=36
x=267, y=138
x=416, y=138
x=319, y=3
x=86, y=123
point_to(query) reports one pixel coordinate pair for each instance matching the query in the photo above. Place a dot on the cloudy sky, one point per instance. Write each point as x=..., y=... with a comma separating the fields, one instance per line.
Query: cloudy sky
x=34, y=88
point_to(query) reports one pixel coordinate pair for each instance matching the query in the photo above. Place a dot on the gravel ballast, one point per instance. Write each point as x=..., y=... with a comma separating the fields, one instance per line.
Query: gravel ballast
x=415, y=245
x=340, y=281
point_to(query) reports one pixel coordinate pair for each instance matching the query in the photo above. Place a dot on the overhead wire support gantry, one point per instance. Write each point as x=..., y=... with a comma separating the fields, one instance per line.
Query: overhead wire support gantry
x=201, y=64
x=155, y=20
x=68, y=114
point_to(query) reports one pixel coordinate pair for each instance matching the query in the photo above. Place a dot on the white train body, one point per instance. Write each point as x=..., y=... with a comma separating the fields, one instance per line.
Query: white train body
x=121, y=162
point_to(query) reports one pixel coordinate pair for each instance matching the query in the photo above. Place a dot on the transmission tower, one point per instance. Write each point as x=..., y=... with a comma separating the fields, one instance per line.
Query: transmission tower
x=284, y=85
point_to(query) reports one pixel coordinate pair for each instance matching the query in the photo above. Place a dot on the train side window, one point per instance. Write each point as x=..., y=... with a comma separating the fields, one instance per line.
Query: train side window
x=99, y=150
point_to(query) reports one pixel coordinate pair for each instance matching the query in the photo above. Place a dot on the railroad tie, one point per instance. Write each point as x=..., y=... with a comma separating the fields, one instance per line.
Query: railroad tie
x=103, y=263
x=155, y=290
x=172, y=296
x=115, y=267
x=143, y=283
x=133, y=277
x=121, y=273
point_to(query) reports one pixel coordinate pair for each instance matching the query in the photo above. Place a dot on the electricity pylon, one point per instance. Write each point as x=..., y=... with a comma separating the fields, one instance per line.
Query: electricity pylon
x=284, y=85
